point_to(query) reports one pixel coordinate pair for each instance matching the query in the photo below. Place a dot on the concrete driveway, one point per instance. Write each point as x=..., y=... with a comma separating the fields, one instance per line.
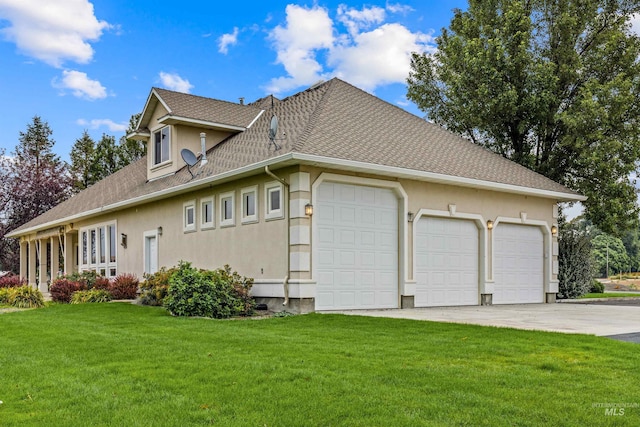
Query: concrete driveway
x=594, y=319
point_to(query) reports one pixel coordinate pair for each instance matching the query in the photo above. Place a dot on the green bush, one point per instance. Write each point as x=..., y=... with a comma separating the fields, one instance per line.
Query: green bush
x=26, y=297
x=596, y=287
x=5, y=294
x=218, y=294
x=154, y=288
x=575, y=262
x=92, y=295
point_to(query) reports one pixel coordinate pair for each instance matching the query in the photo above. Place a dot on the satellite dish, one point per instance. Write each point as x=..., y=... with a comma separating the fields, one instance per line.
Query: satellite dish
x=273, y=132
x=189, y=158
x=273, y=128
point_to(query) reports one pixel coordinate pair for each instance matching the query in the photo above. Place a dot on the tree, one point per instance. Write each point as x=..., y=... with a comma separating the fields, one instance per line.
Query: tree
x=105, y=161
x=130, y=150
x=82, y=158
x=575, y=261
x=552, y=85
x=610, y=255
x=34, y=181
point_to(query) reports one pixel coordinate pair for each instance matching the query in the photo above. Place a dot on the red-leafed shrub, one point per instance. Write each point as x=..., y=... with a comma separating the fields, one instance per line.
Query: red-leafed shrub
x=101, y=283
x=11, y=281
x=61, y=289
x=124, y=286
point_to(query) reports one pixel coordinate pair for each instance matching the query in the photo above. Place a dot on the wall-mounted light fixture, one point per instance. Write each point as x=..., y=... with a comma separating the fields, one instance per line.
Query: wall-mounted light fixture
x=123, y=240
x=308, y=209
x=490, y=224
x=554, y=230
x=410, y=216
x=159, y=231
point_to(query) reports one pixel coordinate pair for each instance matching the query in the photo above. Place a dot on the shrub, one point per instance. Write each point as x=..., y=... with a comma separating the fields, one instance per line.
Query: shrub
x=26, y=297
x=101, y=283
x=218, y=294
x=124, y=286
x=575, y=273
x=61, y=289
x=596, y=287
x=155, y=286
x=92, y=295
x=5, y=294
x=12, y=281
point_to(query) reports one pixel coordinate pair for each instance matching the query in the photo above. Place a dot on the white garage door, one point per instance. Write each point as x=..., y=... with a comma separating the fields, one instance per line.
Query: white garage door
x=446, y=262
x=356, y=248
x=518, y=264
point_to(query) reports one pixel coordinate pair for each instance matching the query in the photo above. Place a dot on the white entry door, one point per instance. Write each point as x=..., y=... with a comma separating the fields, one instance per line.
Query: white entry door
x=151, y=254
x=446, y=262
x=518, y=264
x=356, y=247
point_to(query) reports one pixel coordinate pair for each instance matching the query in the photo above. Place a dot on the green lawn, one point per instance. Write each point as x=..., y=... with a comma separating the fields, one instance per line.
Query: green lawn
x=125, y=365
x=612, y=295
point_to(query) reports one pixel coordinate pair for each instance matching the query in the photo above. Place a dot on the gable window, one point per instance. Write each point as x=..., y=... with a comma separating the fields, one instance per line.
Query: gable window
x=249, y=204
x=227, y=209
x=273, y=197
x=98, y=249
x=189, y=216
x=161, y=145
x=206, y=213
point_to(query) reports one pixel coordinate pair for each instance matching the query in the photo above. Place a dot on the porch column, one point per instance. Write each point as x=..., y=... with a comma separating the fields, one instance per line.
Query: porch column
x=24, y=250
x=55, y=256
x=68, y=253
x=42, y=283
x=33, y=259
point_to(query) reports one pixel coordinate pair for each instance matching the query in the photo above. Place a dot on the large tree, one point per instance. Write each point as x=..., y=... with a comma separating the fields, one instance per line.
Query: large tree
x=130, y=150
x=82, y=158
x=34, y=180
x=553, y=85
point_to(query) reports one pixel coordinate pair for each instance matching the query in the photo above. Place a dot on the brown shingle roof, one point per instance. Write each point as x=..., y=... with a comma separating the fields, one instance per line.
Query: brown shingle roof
x=334, y=120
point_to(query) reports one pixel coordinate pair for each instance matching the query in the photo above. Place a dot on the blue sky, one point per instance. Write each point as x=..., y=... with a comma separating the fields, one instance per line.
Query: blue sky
x=83, y=64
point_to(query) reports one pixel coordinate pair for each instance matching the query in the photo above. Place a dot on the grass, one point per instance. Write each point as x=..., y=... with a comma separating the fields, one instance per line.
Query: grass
x=611, y=295
x=119, y=364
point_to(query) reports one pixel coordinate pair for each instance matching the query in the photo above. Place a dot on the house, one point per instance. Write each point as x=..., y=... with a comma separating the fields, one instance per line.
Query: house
x=330, y=199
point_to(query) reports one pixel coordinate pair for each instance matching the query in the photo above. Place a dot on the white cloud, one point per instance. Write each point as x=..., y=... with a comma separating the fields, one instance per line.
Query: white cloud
x=98, y=123
x=52, y=31
x=378, y=57
x=356, y=20
x=635, y=23
x=399, y=8
x=173, y=81
x=80, y=85
x=306, y=31
x=370, y=53
x=226, y=40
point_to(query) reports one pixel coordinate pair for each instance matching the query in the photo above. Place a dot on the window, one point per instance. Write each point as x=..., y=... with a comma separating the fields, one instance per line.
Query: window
x=161, y=145
x=249, y=204
x=189, y=213
x=206, y=213
x=226, y=209
x=273, y=196
x=98, y=247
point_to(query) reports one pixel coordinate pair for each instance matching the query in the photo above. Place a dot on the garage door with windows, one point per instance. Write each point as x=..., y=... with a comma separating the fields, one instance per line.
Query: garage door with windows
x=356, y=247
x=518, y=264
x=446, y=262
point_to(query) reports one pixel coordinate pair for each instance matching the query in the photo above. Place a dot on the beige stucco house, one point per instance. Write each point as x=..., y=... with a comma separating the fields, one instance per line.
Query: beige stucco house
x=348, y=203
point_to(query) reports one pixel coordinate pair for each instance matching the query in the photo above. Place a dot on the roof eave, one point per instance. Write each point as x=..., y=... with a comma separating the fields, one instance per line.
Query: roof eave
x=313, y=160
x=170, y=119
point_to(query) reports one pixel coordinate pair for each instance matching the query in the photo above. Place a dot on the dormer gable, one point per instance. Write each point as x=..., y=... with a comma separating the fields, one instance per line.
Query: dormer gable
x=172, y=121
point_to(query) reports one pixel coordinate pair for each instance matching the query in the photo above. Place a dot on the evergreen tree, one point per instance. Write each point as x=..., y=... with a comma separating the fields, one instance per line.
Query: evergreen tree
x=34, y=181
x=82, y=158
x=105, y=159
x=130, y=150
x=551, y=84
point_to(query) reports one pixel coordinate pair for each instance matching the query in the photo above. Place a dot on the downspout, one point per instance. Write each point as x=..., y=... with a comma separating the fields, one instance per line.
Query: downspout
x=285, y=283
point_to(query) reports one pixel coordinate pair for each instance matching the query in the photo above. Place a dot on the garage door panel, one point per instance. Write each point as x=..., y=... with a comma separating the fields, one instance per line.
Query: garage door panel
x=446, y=262
x=518, y=264
x=365, y=223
